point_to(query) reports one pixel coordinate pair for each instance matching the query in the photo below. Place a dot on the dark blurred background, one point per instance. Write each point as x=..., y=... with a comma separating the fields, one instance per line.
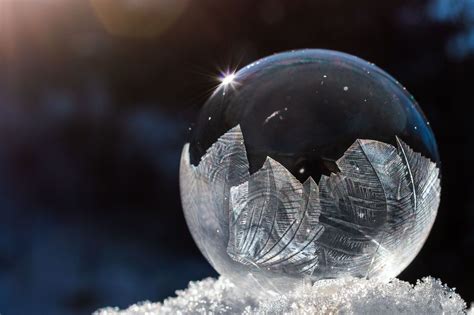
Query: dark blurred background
x=96, y=98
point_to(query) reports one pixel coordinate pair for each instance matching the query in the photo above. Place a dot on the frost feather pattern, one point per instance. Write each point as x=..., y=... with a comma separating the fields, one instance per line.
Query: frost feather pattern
x=225, y=164
x=275, y=220
x=362, y=221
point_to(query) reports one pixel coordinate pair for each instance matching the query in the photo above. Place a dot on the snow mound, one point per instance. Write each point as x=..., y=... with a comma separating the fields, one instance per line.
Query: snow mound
x=341, y=296
x=471, y=310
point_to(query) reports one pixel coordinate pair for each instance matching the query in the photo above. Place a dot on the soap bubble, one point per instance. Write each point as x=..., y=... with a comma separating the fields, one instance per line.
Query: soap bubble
x=309, y=165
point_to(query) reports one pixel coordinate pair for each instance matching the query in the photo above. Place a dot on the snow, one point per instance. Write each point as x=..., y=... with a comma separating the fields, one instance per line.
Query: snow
x=341, y=296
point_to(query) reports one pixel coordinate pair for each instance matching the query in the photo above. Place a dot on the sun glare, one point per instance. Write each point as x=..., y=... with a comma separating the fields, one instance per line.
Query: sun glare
x=228, y=79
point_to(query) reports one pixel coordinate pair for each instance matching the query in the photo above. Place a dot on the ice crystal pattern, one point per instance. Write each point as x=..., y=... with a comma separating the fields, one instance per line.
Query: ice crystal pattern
x=368, y=220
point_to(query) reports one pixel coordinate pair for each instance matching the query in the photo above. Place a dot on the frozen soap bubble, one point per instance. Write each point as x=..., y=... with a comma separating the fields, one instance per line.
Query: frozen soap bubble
x=309, y=165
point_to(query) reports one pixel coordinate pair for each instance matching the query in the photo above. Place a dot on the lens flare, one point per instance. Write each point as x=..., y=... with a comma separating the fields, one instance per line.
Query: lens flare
x=144, y=18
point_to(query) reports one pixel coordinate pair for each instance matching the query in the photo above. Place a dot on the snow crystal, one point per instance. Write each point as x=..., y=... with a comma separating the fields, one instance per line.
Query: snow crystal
x=341, y=296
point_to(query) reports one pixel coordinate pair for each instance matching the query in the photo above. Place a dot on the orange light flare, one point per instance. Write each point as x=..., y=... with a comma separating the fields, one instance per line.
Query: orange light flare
x=7, y=44
x=29, y=29
x=47, y=29
x=138, y=18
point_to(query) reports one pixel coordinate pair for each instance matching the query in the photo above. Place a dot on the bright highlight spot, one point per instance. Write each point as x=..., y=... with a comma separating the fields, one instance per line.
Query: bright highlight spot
x=228, y=79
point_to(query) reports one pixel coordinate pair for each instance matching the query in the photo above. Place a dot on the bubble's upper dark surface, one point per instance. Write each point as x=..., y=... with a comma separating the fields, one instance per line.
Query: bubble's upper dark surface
x=305, y=108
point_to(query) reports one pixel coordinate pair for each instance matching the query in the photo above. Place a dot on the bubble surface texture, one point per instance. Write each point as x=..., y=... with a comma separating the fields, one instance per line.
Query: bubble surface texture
x=310, y=165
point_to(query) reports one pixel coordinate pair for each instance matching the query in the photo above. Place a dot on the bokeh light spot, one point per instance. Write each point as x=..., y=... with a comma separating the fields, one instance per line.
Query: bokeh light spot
x=138, y=18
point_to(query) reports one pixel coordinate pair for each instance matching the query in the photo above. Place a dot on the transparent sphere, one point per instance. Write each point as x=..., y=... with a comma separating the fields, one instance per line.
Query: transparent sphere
x=309, y=165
